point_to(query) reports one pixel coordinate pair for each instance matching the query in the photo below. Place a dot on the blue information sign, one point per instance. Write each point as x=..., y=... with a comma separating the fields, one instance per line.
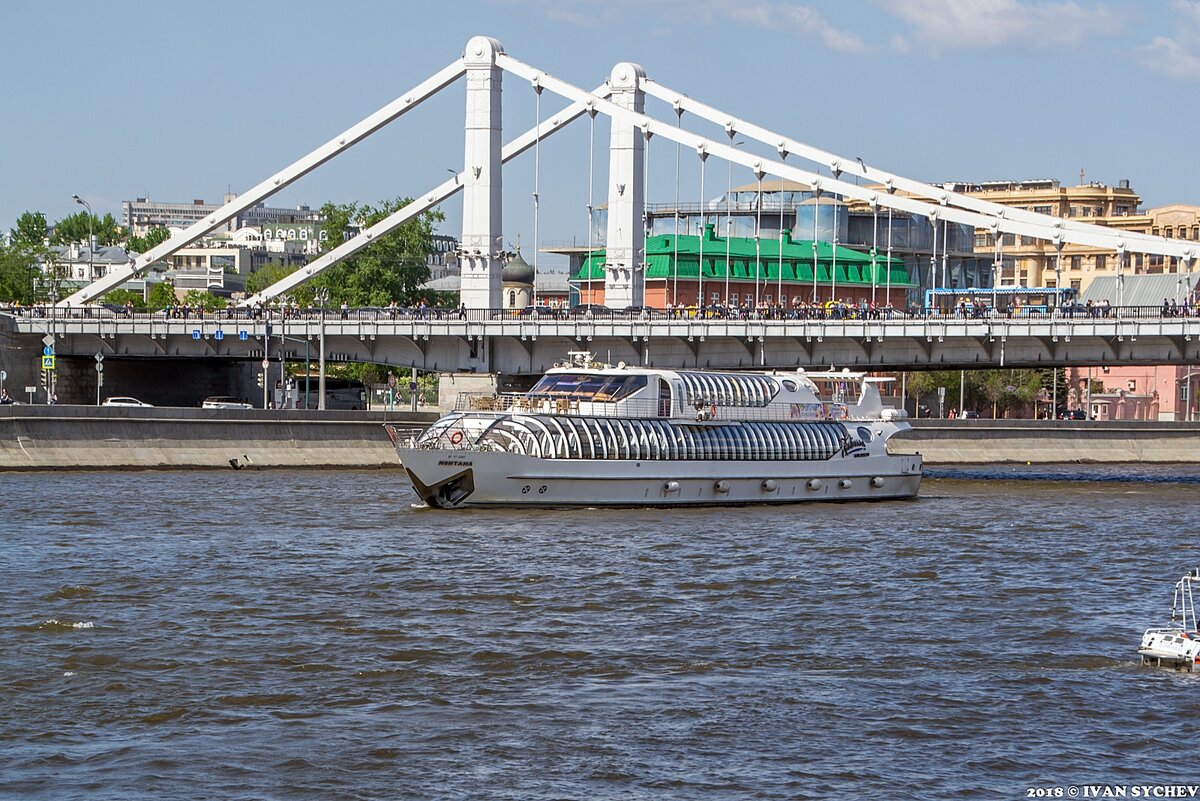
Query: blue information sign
x=47, y=351
x=195, y=333
x=243, y=335
x=219, y=334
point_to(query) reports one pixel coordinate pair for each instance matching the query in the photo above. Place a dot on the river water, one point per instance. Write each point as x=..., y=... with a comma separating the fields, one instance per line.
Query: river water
x=310, y=635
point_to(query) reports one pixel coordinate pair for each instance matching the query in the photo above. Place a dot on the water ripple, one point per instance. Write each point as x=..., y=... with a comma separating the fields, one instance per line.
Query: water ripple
x=342, y=644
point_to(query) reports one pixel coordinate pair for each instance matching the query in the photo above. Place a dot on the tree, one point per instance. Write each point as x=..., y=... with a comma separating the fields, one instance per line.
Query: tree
x=74, y=228
x=393, y=267
x=1011, y=389
x=153, y=237
x=266, y=276
x=123, y=297
x=162, y=295
x=18, y=275
x=199, y=299
x=918, y=385
x=30, y=231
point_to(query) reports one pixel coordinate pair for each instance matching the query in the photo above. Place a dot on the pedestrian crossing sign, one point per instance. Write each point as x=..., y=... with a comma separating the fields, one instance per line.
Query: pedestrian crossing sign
x=47, y=362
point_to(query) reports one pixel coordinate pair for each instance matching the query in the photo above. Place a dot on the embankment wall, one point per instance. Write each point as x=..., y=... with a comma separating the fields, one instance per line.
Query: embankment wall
x=88, y=437
x=1049, y=441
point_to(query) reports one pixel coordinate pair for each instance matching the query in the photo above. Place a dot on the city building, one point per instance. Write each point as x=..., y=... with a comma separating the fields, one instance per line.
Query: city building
x=140, y=215
x=745, y=271
x=277, y=237
x=930, y=257
x=75, y=266
x=1024, y=261
x=442, y=259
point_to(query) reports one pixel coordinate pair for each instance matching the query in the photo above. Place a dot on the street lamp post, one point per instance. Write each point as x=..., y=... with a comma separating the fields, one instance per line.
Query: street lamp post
x=91, y=237
x=51, y=381
x=322, y=299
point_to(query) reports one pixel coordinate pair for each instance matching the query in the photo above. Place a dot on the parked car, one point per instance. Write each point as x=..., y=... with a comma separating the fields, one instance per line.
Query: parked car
x=639, y=311
x=125, y=401
x=1072, y=414
x=591, y=309
x=224, y=402
x=538, y=312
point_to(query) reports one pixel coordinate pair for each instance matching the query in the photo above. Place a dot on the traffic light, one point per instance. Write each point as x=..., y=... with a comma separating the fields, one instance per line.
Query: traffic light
x=259, y=377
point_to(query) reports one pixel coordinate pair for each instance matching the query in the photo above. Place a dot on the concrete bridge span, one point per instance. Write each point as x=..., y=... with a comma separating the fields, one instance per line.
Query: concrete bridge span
x=521, y=346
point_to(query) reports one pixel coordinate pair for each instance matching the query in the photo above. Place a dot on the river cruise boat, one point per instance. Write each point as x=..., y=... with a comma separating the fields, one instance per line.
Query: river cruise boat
x=594, y=434
x=1177, y=645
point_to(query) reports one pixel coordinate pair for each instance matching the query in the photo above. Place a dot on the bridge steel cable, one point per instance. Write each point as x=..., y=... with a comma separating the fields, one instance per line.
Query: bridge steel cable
x=294, y=171
x=786, y=145
x=438, y=194
x=1046, y=228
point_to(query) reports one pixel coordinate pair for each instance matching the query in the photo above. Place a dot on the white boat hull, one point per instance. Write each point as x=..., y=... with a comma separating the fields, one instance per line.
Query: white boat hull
x=461, y=478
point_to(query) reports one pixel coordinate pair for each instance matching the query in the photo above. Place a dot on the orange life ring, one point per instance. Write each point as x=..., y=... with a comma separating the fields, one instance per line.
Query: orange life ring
x=456, y=438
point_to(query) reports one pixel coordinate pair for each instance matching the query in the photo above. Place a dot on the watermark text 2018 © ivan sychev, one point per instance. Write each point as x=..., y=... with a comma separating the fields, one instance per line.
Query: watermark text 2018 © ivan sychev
x=1115, y=791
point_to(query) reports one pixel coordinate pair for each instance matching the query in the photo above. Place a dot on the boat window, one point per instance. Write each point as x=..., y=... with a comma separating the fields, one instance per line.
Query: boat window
x=588, y=387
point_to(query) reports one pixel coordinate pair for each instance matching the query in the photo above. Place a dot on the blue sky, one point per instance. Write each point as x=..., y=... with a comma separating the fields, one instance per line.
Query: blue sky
x=186, y=100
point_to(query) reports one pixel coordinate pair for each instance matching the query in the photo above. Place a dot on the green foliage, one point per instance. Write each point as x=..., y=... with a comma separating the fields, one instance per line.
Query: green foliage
x=162, y=295
x=18, y=275
x=1015, y=391
x=266, y=276
x=917, y=385
x=30, y=232
x=74, y=228
x=199, y=299
x=153, y=237
x=393, y=267
x=123, y=297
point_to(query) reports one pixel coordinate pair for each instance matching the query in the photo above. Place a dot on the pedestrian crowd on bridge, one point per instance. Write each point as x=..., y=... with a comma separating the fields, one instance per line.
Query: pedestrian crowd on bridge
x=800, y=309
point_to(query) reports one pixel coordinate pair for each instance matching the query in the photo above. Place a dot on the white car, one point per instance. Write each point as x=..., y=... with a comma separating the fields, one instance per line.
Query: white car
x=224, y=402
x=120, y=401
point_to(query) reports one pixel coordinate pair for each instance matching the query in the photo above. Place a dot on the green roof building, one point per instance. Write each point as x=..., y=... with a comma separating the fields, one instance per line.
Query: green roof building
x=767, y=270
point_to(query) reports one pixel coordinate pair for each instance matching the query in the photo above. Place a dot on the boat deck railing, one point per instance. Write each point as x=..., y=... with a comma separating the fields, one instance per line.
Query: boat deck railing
x=504, y=403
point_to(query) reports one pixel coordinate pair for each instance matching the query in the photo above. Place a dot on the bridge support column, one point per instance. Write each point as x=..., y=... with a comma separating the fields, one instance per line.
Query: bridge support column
x=482, y=231
x=624, y=274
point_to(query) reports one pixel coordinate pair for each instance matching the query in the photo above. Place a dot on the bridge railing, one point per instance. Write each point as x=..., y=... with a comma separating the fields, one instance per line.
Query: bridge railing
x=537, y=314
x=509, y=403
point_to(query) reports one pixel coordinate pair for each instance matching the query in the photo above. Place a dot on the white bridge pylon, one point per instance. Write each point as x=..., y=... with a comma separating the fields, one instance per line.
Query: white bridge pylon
x=484, y=61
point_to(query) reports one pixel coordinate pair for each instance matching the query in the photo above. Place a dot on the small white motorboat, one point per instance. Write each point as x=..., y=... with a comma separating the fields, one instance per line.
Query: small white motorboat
x=1176, y=646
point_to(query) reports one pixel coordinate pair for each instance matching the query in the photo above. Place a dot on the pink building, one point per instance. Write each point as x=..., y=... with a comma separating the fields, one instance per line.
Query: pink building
x=1158, y=392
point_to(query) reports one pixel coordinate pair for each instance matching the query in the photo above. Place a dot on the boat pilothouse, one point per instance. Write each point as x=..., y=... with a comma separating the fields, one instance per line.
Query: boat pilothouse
x=1177, y=645
x=594, y=434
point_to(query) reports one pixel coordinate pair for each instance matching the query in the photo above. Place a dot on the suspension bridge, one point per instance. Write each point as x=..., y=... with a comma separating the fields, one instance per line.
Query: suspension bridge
x=639, y=111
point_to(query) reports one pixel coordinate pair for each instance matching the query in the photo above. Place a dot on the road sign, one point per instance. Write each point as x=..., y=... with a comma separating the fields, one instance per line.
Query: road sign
x=30, y=390
x=412, y=386
x=219, y=334
x=243, y=335
x=99, y=356
x=266, y=364
x=3, y=375
x=48, y=351
x=48, y=340
x=195, y=333
x=47, y=362
x=99, y=367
